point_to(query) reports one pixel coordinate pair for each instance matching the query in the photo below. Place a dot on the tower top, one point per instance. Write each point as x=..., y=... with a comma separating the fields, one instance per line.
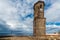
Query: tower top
x=39, y=2
x=39, y=9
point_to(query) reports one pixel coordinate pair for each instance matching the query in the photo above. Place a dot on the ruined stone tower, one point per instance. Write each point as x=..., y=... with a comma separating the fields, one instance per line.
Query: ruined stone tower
x=39, y=20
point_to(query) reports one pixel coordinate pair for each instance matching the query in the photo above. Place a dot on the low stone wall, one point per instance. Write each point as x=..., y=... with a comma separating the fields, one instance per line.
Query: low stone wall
x=17, y=38
x=43, y=37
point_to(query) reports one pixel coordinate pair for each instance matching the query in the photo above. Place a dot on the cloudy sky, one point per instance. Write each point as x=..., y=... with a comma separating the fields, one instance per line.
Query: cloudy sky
x=16, y=16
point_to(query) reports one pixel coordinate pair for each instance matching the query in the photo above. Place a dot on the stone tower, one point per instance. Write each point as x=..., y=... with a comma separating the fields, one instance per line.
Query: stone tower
x=39, y=20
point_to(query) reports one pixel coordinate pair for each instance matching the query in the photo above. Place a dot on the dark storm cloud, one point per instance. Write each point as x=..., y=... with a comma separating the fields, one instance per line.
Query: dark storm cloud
x=3, y=26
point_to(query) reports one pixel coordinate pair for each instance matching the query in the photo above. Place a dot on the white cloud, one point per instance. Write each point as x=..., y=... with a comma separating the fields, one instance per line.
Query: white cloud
x=50, y=1
x=12, y=14
x=53, y=13
x=8, y=13
x=51, y=29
